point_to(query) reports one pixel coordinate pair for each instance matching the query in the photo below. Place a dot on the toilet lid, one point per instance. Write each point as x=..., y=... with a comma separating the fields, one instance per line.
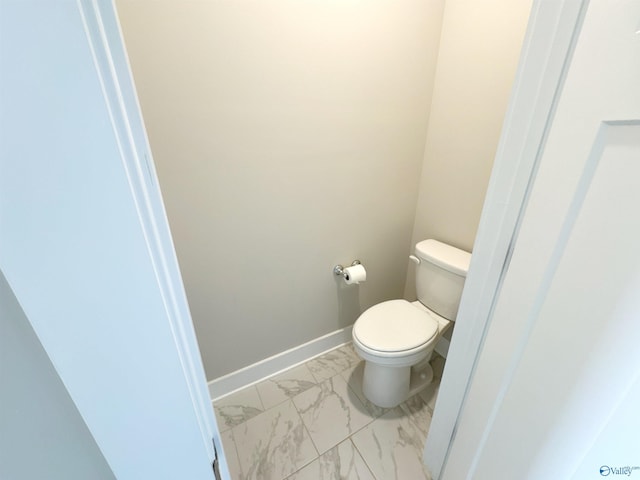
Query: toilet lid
x=394, y=326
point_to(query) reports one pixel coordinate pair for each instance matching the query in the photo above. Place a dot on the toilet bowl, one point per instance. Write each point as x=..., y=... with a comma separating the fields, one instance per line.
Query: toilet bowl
x=390, y=353
x=396, y=338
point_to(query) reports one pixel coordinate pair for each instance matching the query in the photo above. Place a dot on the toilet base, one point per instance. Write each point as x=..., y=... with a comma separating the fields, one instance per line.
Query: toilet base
x=420, y=379
x=388, y=387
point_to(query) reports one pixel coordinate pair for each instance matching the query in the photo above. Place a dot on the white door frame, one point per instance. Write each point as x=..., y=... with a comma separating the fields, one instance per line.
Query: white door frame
x=546, y=54
x=103, y=289
x=106, y=42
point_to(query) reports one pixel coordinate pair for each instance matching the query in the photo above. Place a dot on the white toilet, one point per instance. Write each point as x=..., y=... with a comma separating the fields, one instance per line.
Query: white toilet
x=396, y=338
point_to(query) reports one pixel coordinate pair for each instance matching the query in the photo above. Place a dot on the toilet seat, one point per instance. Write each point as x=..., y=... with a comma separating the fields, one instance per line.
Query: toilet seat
x=394, y=327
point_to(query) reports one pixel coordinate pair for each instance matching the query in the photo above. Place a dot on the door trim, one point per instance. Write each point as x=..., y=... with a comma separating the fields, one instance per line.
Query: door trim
x=107, y=48
x=546, y=54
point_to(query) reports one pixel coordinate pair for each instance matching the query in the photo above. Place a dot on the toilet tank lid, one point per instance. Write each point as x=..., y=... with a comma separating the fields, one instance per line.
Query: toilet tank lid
x=445, y=256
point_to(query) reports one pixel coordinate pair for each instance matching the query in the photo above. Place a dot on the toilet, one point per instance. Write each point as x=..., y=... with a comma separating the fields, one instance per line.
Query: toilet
x=396, y=338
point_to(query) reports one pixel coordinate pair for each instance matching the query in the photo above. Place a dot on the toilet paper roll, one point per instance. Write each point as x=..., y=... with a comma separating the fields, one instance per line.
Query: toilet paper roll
x=355, y=274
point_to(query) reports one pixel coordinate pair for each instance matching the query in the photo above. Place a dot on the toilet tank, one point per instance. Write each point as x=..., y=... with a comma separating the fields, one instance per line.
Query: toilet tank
x=440, y=276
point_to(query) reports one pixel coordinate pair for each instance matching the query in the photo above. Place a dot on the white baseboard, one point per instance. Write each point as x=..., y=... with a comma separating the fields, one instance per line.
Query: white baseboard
x=270, y=366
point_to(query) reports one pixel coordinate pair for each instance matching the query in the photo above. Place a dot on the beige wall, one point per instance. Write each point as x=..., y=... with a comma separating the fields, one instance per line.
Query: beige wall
x=479, y=51
x=288, y=137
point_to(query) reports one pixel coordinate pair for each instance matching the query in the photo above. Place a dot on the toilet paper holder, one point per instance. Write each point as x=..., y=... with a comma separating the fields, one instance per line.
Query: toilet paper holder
x=339, y=269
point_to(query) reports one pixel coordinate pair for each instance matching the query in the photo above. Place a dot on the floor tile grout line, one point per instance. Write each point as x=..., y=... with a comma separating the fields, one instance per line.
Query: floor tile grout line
x=305, y=427
x=310, y=438
x=305, y=363
x=374, y=416
x=403, y=416
x=217, y=408
x=287, y=396
x=235, y=444
x=363, y=404
x=318, y=455
x=365, y=408
x=259, y=397
x=270, y=378
x=310, y=461
x=297, y=364
x=348, y=438
x=262, y=404
x=240, y=464
x=365, y=426
x=225, y=446
x=265, y=410
x=351, y=390
x=362, y=456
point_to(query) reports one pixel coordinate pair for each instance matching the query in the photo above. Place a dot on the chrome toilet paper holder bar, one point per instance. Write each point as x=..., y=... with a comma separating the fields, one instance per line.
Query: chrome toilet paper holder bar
x=339, y=269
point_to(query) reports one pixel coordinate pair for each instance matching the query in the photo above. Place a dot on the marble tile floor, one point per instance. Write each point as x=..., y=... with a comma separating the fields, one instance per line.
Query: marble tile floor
x=312, y=422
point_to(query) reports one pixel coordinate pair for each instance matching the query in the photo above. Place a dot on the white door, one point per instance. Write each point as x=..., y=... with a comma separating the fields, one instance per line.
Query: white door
x=556, y=386
x=85, y=244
